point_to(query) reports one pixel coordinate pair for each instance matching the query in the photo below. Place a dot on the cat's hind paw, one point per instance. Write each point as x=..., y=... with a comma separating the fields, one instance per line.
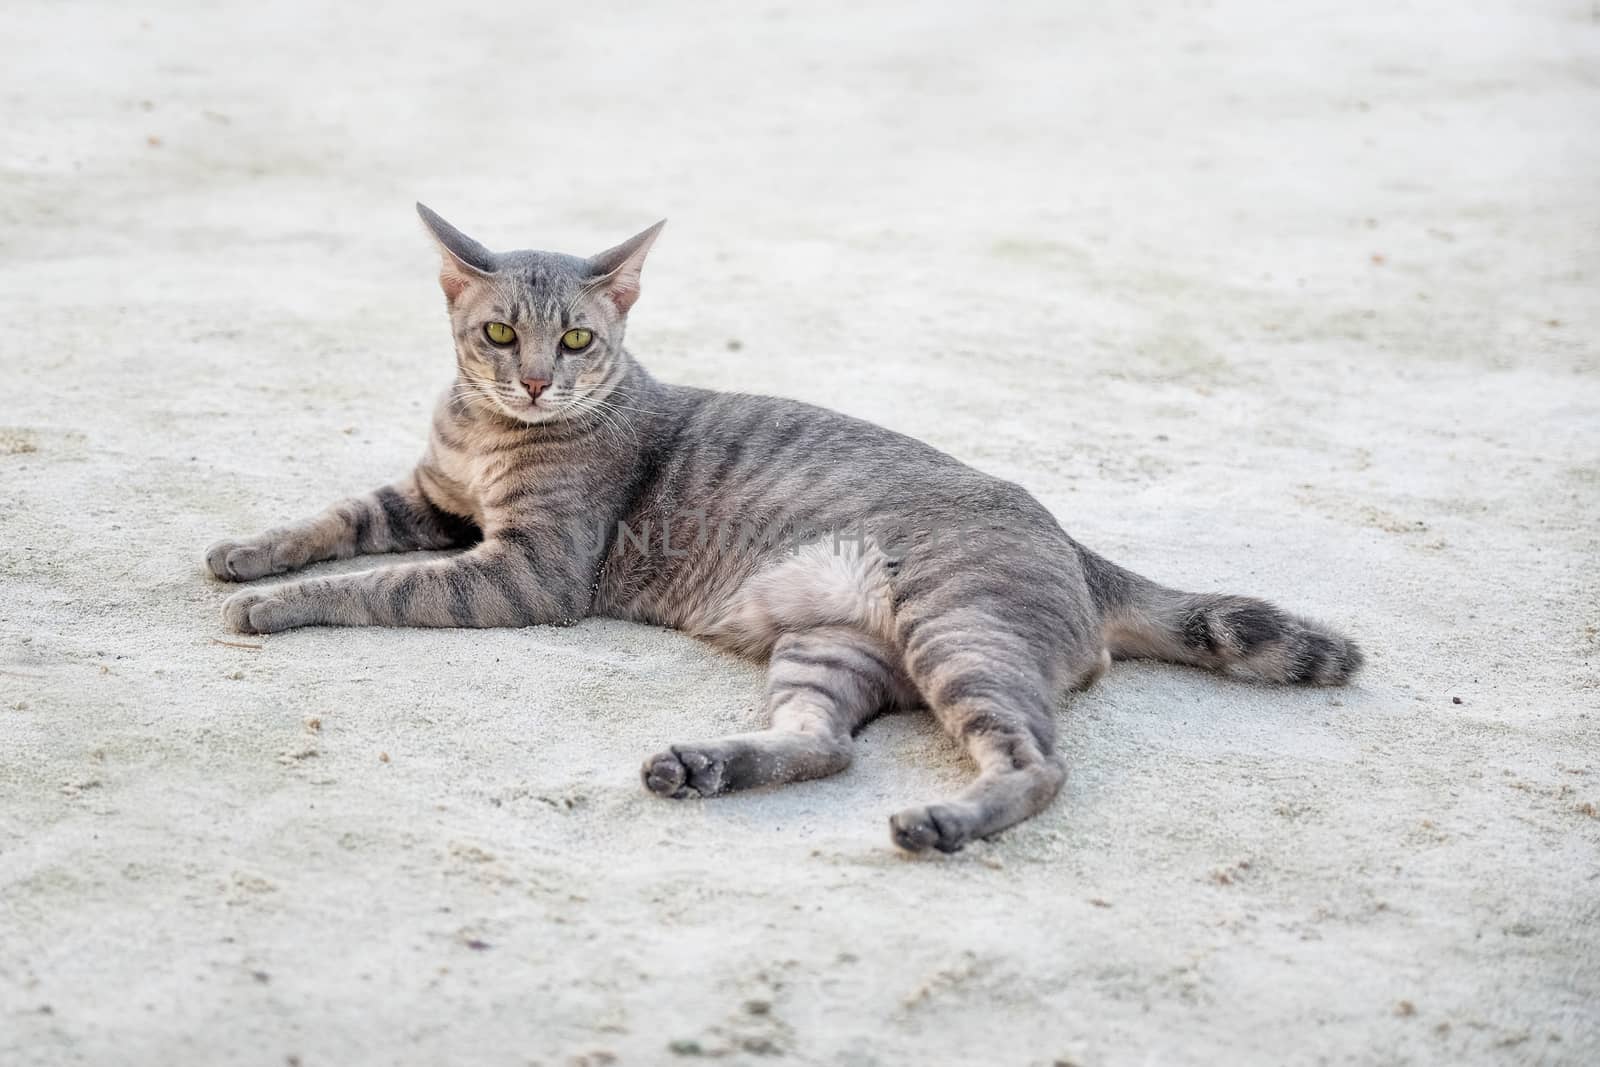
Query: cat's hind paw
x=681, y=772
x=936, y=826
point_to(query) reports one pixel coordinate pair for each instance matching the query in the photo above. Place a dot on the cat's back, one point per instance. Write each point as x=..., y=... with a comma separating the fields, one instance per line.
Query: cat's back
x=754, y=451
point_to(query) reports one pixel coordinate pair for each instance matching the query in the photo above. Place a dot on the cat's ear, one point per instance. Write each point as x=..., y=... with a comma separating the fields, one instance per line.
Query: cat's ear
x=465, y=260
x=619, y=267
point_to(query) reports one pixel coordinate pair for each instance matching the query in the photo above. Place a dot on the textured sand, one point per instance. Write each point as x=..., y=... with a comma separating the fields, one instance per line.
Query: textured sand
x=1285, y=299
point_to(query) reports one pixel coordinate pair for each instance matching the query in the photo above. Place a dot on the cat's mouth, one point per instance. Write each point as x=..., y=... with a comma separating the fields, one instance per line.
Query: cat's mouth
x=526, y=409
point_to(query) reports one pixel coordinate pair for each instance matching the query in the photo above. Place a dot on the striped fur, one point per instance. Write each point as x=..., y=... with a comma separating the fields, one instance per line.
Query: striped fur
x=869, y=570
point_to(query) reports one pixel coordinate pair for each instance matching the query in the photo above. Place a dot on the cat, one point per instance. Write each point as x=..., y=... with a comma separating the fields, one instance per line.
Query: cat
x=869, y=570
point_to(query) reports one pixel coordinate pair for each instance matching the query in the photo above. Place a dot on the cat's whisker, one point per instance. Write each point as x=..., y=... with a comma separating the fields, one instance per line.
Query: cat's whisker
x=619, y=422
x=605, y=421
x=616, y=406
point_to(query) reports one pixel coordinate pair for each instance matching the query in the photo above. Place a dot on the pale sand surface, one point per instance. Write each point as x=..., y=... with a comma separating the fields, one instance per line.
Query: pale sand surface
x=1278, y=298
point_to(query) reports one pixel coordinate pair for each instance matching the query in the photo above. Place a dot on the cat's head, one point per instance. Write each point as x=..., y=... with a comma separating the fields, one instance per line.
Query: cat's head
x=538, y=334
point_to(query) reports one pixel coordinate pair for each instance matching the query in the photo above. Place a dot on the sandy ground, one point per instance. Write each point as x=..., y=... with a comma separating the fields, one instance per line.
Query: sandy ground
x=1285, y=299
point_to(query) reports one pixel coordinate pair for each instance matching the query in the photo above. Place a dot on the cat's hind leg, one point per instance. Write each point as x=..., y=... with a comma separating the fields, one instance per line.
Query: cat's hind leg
x=823, y=684
x=989, y=690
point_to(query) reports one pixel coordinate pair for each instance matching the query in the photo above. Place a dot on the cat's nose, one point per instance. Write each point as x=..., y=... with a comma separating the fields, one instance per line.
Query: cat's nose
x=535, y=386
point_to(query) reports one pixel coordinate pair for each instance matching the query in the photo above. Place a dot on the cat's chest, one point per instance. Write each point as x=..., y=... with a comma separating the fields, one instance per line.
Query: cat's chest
x=482, y=481
x=525, y=485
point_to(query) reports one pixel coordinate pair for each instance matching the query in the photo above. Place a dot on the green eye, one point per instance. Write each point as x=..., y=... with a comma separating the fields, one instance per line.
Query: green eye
x=499, y=333
x=576, y=340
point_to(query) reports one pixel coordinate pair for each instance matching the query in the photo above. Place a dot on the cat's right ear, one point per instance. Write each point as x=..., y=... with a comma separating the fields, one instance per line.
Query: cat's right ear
x=465, y=260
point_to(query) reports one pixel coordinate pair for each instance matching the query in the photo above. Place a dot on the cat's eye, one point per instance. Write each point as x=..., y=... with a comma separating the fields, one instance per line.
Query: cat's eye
x=499, y=333
x=576, y=340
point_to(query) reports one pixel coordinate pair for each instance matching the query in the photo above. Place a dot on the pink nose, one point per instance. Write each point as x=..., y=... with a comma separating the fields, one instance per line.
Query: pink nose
x=535, y=386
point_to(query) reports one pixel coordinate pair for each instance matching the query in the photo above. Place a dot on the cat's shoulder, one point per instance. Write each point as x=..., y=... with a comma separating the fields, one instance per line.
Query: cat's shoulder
x=757, y=421
x=776, y=411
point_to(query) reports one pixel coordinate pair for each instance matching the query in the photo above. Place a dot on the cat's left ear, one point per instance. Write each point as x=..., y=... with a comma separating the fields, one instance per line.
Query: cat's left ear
x=619, y=267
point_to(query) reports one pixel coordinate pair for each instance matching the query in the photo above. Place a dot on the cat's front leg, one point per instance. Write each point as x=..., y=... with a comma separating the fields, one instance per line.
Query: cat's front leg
x=395, y=518
x=498, y=583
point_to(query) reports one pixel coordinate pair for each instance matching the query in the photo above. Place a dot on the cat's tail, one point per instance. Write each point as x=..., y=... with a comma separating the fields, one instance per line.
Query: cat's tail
x=1235, y=634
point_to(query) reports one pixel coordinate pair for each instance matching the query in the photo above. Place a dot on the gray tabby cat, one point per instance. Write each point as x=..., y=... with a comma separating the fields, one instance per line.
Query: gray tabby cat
x=869, y=570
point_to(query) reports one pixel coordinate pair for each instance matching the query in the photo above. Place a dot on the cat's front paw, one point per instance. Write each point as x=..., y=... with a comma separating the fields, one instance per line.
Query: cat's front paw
x=682, y=772
x=241, y=561
x=260, y=611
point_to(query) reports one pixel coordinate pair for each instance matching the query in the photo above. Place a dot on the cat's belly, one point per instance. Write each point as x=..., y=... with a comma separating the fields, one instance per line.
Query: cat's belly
x=745, y=605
